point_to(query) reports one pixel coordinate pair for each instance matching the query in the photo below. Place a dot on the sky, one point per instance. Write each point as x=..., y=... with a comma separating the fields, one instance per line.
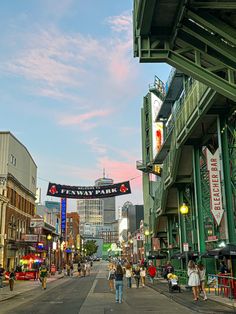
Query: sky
x=71, y=90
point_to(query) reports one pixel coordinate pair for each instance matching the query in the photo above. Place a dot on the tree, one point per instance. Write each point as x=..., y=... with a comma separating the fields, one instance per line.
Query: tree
x=90, y=247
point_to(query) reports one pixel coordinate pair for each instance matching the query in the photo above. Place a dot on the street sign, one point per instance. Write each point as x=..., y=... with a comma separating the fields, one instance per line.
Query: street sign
x=185, y=247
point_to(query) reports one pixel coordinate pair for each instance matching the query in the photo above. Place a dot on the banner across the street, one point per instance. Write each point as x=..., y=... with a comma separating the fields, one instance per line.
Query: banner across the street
x=87, y=192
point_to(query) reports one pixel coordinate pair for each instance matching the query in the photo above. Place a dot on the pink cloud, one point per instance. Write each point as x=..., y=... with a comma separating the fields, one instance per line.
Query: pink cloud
x=84, y=119
x=122, y=171
x=121, y=22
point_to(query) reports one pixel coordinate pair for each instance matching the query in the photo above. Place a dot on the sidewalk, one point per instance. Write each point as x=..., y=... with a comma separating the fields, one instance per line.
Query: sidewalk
x=22, y=286
x=185, y=298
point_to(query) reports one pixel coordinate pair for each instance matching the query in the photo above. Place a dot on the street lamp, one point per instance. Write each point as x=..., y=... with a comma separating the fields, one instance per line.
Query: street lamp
x=184, y=210
x=146, y=233
x=49, y=238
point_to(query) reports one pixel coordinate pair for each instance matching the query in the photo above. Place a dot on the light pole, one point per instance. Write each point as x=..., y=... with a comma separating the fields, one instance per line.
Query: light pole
x=184, y=212
x=49, y=238
x=146, y=233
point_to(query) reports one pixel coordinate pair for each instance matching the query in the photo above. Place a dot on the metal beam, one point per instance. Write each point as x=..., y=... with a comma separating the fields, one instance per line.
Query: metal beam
x=144, y=16
x=190, y=68
x=214, y=24
x=210, y=40
x=215, y=5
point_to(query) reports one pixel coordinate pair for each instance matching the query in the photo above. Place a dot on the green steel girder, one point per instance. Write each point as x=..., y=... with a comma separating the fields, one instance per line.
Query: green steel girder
x=215, y=25
x=144, y=21
x=214, y=5
x=200, y=41
x=148, y=53
x=210, y=43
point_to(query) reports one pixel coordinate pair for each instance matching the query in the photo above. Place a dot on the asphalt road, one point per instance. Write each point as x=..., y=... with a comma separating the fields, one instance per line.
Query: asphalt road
x=90, y=295
x=64, y=296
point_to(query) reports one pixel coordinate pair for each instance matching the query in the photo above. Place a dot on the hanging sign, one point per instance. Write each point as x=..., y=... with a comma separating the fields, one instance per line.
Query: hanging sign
x=87, y=192
x=63, y=217
x=213, y=166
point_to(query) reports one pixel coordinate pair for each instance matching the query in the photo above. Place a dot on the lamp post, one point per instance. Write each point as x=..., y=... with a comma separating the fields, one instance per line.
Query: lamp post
x=184, y=212
x=49, y=238
x=146, y=233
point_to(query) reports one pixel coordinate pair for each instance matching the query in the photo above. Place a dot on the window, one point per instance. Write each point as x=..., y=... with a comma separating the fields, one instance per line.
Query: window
x=13, y=160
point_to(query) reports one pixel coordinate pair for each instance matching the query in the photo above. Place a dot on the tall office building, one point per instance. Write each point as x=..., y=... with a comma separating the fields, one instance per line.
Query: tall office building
x=91, y=214
x=108, y=203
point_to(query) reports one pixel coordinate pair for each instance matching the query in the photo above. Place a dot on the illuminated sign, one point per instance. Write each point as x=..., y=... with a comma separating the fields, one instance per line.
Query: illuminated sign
x=63, y=217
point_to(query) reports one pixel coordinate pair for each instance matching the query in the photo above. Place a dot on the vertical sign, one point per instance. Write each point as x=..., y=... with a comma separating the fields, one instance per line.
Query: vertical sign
x=63, y=218
x=213, y=166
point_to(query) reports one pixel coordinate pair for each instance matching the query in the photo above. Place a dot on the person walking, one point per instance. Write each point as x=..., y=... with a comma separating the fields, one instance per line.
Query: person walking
x=2, y=272
x=71, y=269
x=79, y=269
x=143, y=276
x=168, y=269
x=84, y=269
x=202, y=277
x=88, y=267
x=119, y=283
x=128, y=275
x=152, y=272
x=43, y=273
x=111, y=276
x=12, y=278
x=194, y=279
x=136, y=273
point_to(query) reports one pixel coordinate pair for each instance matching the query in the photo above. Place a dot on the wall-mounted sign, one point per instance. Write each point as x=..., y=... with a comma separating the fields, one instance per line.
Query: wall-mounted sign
x=88, y=192
x=63, y=218
x=213, y=166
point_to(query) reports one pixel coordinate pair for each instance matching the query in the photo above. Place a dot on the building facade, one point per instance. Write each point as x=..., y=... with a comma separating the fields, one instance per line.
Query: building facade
x=18, y=173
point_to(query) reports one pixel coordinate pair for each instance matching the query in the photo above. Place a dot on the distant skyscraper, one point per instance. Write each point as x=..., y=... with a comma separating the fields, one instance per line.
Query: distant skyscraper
x=109, y=203
x=90, y=212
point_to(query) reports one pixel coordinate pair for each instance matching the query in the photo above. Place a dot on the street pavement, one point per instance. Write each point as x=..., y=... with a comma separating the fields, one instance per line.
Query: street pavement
x=90, y=295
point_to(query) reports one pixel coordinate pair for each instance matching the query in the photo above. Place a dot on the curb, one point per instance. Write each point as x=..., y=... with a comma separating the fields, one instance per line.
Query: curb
x=179, y=301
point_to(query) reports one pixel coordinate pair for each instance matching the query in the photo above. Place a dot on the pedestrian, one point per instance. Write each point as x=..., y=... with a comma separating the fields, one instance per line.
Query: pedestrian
x=194, y=279
x=2, y=272
x=84, y=269
x=119, y=283
x=43, y=273
x=68, y=270
x=143, y=276
x=12, y=278
x=111, y=276
x=79, y=269
x=202, y=276
x=152, y=272
x=223, y=268
x=169, y=269
x=88, y=268
x=128, y=275
x=71, y=269
x=136, y=273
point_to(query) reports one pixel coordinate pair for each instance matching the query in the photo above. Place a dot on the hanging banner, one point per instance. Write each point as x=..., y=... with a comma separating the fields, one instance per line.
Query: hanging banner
x=213, y=166
x=87, y=192
x=63, y=218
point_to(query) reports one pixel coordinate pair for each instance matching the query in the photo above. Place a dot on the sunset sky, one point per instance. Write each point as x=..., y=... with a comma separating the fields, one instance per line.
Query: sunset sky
x=71, y=91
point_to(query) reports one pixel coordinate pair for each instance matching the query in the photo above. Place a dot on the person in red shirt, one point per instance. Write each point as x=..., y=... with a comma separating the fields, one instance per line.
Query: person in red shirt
x=152, y=271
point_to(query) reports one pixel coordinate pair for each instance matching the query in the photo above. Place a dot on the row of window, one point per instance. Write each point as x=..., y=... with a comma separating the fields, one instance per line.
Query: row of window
x=16, y=228
x=20, y=202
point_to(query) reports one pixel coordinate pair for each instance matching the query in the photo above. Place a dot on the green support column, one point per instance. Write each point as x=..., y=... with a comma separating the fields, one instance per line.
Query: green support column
x=198, y=200
x=227, y=181
x=181, y=222
x=170, y=234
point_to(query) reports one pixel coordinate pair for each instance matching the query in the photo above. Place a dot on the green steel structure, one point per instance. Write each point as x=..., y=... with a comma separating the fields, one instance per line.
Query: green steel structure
x=198, y=111
x=197, y=37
